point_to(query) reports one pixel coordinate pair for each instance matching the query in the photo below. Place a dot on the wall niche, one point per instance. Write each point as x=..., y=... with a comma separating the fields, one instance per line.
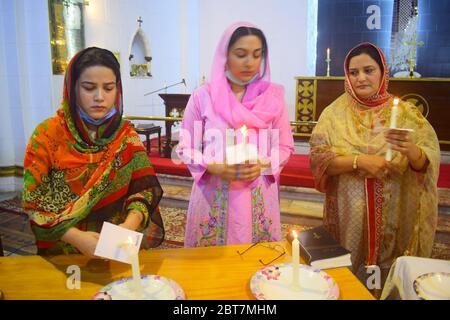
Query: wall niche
x=140, y=56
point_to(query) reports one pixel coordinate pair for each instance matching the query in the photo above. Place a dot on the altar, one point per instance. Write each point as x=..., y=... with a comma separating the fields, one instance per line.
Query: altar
x=430, y=95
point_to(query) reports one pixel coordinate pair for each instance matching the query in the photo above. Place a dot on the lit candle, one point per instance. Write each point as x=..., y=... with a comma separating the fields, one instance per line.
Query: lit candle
x=393, y=125
x=243, y=130
x=295, y=261
x=242, y=152
x=328, y=53
x=134, y=259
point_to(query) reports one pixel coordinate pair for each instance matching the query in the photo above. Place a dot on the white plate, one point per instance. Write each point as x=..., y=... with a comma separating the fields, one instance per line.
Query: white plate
x=274, y=283
x=155, y=288
x=433, y=286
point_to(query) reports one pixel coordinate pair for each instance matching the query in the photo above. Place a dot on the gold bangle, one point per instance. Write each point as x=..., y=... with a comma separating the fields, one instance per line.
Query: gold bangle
x=355, y=164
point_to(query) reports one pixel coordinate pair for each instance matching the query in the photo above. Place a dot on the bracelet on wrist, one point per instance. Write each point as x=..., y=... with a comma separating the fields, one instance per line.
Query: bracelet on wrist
x=355, y=162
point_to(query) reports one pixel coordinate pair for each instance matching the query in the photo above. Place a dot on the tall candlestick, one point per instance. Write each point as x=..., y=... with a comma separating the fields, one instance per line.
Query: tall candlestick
x=295, y=262
x=393, y=125
x=134, y=259
x=328, y=60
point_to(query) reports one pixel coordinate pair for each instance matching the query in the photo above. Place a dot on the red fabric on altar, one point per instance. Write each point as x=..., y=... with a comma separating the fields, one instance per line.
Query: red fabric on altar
x=296, y=172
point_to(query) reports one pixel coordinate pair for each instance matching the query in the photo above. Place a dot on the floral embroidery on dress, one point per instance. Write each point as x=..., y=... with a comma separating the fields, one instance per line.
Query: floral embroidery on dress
x=213, y=230
x=261, y=222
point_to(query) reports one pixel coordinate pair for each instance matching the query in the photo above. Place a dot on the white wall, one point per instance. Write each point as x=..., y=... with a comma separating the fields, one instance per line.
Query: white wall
x=25, y=75
x=169, y=25
x=284, y=22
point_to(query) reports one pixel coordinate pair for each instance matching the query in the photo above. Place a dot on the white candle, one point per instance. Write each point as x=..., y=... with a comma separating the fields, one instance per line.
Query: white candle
x=328, y=53
x=393, y=125
x=243, y=130
x=134, y=259
x=242, y=152
x=295, y=261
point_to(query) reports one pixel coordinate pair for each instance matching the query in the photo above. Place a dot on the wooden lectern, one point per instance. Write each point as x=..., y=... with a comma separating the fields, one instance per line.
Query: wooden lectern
x=175, y=104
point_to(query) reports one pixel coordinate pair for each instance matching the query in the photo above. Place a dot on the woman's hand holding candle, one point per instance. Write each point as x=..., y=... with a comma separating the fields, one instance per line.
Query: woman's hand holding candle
x=235, y=172
x=400, y=140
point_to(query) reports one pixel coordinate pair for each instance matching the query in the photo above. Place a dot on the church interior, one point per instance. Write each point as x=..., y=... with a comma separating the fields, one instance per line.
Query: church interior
x=165, y=50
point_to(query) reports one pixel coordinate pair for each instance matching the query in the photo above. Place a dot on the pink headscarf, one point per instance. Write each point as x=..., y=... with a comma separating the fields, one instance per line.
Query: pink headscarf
x=259, y=105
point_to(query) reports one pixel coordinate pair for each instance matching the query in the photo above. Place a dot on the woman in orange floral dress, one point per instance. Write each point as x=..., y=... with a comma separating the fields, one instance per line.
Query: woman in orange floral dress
x=86, y=165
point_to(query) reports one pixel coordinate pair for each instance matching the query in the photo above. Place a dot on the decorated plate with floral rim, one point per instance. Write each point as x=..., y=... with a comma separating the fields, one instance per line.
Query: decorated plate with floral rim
x=433, y=286
x=155, y=287
x=274, y=282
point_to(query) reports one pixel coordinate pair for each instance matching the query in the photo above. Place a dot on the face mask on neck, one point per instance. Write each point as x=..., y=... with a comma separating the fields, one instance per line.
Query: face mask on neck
x=96, y=122
x=239, y=82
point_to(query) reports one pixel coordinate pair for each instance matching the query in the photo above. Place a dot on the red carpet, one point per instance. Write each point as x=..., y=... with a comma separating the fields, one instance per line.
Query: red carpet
x=296, y=172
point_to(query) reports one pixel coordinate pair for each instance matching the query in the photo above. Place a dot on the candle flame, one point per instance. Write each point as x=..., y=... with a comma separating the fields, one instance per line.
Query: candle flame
x=243, y=130
x=396, y=101
x=294, y=233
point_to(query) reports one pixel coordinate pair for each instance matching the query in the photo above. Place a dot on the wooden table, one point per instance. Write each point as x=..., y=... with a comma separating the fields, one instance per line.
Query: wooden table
x=203, y=273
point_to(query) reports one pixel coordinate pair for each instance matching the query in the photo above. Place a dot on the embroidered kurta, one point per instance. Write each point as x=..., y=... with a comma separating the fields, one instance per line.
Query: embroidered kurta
x=222, y=213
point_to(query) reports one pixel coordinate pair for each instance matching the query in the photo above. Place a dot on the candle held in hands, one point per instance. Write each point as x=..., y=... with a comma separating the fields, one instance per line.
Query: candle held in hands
x=242, y=152
x=393, y=125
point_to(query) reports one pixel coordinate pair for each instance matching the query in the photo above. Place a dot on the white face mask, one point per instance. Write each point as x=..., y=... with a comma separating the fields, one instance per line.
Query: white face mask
x=239, y=82
x=96, y=122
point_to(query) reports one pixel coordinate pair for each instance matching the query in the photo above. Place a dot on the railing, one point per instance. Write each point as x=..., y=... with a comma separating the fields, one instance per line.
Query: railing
x=158, y=118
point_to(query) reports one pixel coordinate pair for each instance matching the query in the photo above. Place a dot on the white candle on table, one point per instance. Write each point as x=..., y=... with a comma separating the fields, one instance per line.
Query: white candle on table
x=295, y=261
x=134, y=259
x=393, y=125
x=328, y=53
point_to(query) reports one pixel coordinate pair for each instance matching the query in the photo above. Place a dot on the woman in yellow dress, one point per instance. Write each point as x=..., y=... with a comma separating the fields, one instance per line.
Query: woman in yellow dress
x=375, y=208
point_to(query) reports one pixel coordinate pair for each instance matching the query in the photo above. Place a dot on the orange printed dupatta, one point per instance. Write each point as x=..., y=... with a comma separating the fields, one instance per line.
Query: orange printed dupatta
x=73, y=181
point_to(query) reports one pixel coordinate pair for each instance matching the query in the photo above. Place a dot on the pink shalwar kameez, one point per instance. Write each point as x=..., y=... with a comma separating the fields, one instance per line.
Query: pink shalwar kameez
x=222, y=212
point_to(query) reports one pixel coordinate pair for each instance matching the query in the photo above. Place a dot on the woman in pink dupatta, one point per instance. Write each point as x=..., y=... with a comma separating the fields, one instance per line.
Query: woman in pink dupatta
x=232, y=204
x=377, y=209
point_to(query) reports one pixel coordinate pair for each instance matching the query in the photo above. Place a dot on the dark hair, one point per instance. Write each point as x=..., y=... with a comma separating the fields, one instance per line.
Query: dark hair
x=369, y=50
x=90, y=57
x=249, y=31
x=94, y=56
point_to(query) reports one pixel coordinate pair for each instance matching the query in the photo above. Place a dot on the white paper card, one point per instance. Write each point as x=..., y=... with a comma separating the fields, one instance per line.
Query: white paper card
x=111, y=242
